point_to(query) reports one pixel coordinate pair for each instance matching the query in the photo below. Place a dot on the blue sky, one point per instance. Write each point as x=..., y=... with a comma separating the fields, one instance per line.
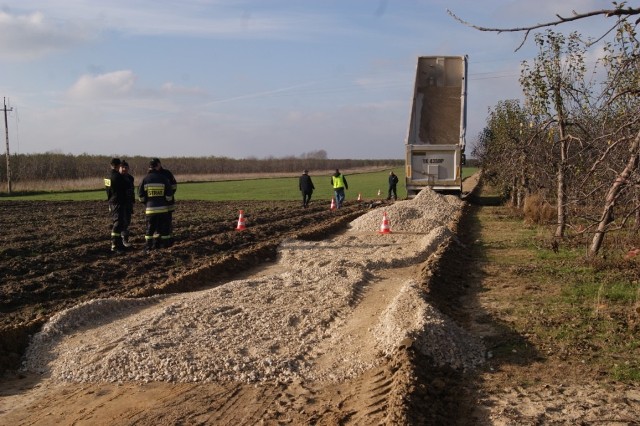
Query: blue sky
x=248, y=78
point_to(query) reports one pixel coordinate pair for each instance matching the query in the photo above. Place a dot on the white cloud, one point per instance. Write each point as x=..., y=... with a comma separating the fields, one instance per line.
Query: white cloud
x=115, y=84
x=31, y=36
x=122, y=88
x=215, y=19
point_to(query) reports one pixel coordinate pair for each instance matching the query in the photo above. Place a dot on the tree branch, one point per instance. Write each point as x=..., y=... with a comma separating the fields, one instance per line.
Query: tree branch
x=623, y=12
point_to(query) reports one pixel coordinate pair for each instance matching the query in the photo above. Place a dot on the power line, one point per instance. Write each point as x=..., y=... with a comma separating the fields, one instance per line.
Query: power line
x=6, y=131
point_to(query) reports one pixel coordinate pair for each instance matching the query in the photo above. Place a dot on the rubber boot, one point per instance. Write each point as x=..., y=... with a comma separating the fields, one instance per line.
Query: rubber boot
x=125, y=239
x=116, y=245
x=148, y=245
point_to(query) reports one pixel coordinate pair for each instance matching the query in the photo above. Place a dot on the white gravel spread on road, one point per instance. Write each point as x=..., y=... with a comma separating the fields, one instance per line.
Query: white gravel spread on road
x=268, y=327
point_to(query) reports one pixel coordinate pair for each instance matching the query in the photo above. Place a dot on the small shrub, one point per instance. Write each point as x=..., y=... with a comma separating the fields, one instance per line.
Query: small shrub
x=537, y=210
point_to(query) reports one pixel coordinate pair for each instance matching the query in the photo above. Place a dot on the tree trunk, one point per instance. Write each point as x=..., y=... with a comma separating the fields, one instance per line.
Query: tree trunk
x=562, y=185
x=521, y=192
x=612, y=195
x=562, y=194
x=525, y=188
x=637, y=224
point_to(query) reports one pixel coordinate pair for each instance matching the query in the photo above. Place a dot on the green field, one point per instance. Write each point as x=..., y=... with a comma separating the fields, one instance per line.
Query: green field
x=365, y=184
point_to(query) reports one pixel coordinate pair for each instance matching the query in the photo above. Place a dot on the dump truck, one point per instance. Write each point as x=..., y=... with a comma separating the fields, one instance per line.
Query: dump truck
x=435, y=141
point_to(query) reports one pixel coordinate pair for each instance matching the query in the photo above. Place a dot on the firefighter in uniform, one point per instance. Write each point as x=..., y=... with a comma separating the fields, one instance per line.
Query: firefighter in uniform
x=172, y=203
x=116, y=187
x=156, y=193
x=131, y=199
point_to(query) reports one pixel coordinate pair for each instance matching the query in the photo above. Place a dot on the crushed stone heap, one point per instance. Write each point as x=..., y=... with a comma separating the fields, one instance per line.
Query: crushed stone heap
x=271, y=327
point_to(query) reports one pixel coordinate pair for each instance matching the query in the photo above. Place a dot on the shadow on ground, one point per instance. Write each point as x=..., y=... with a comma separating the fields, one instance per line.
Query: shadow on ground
x=443, y=395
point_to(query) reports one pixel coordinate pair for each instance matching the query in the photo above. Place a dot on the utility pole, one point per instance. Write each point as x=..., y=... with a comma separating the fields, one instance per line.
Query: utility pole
x=6, y=131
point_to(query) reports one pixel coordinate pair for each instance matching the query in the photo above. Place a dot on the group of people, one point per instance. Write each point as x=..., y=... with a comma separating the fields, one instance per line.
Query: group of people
x=339, y=184
x=156, y=191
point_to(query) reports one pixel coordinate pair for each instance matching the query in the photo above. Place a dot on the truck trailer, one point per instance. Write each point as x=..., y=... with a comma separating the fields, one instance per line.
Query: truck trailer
x=435, y=141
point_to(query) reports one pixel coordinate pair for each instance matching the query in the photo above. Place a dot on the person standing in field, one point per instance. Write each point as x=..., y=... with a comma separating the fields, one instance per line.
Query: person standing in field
x=306, y=188
x=393, y=183
x=156, y=193
x=128, y=206
x=116, y=187
x=172, y=203
x=339, y=183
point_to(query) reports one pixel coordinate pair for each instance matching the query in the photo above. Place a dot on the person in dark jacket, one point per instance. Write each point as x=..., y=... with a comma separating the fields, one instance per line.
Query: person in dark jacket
x=116, y=187
x=172, y=203
x=306, y=188
x=156, y=193
x=339, y=183
x=393, y=183
x=128, y=206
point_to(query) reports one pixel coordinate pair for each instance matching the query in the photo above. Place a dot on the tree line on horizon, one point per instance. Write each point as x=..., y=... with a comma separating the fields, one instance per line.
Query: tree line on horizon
x=57, y=166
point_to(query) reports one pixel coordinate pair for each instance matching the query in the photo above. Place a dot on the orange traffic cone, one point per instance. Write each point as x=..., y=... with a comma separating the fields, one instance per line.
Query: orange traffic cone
x=241, y=224
x=333, y=203
x=359, y=197
x=385, y=228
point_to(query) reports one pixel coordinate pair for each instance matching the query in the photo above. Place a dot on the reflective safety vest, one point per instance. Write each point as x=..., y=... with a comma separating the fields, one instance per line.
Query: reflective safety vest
x=155, y=191
x=338, y=181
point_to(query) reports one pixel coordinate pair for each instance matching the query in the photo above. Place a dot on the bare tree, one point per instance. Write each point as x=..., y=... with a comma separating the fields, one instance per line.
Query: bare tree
x=553, y=84
x=622, y=102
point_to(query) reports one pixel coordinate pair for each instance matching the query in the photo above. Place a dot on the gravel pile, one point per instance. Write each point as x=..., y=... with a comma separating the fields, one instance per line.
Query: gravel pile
x=431, y=332
x=426, y=211
x=267, y=328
